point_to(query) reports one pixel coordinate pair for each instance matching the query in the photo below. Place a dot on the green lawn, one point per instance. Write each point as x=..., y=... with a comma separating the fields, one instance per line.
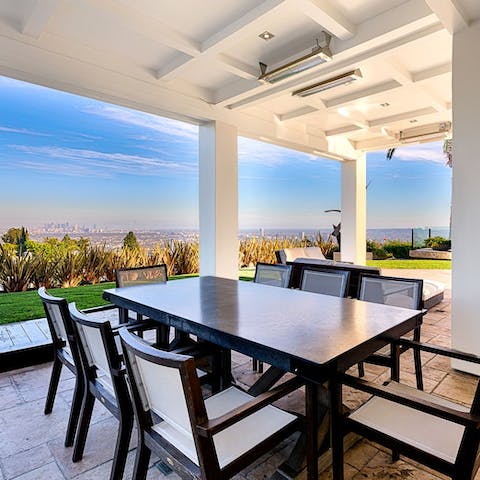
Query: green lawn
x=18, y=306
x=15, y=307
x=412, y=264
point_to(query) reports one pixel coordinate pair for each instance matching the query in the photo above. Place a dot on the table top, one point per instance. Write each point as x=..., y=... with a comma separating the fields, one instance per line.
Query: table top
x=279, y=322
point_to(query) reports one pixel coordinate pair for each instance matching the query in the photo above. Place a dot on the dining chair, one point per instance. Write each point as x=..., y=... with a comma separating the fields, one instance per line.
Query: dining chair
x=326, y=282
x=275, y=275
x=209, y=439
x=439, y=433
x=397, y=292
x=104, y=379
x=145, y=275
x=66, y=353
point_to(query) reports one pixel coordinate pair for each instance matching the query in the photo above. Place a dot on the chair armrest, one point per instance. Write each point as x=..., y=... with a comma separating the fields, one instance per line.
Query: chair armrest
x=213, y=426
x=444, y=351
x=441, y=411
x=110, y=306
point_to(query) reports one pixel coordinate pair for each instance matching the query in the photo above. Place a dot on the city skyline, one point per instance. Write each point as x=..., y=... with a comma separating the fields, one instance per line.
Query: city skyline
x=69, y=158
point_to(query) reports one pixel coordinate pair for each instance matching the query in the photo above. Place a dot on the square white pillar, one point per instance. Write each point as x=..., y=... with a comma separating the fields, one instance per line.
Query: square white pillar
x=218, y=200
x=354, y=211
x=466, y=196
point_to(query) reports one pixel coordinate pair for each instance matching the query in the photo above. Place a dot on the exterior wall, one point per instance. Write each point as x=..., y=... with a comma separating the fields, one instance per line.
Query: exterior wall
x=466, y=195
x=354, y=211
x=218, y=200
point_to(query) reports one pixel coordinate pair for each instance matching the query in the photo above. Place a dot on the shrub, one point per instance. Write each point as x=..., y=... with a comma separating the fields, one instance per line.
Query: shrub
x=378, y=252
x=438, y=243
x=16, y=271
x=397, y=248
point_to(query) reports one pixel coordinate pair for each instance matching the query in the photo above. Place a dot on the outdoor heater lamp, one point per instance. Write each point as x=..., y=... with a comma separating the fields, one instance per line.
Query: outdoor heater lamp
x=343, y=79
x=317, y=56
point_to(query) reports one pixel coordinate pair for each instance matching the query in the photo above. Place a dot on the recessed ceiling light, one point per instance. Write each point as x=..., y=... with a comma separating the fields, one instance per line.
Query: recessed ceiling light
x=386, y=104
x=413, y=120
x=266, y=35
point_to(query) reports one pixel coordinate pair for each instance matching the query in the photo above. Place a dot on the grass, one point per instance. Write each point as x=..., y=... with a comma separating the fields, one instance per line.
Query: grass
x=18, y=306
x=412, y=264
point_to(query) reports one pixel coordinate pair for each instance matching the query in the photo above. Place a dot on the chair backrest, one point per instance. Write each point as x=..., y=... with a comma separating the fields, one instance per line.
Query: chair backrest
x=327, y=282
x=129, y=277
x=164, y=383
x=96, y=343
x=273, y=274
x=398, y=292
x=58, y=318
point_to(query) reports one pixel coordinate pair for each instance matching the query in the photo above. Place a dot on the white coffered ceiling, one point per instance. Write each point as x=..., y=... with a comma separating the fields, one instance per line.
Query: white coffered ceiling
x=198, y=61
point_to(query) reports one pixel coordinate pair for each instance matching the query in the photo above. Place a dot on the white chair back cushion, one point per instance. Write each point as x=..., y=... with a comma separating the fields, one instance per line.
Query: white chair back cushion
x=326, y=283
x=397, y=293
x=273, y=275
x=164, y=394
x=57, y=321
x=94, y=348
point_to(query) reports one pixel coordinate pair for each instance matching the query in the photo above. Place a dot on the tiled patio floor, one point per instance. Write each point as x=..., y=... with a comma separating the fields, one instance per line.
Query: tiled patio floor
x=31, y=444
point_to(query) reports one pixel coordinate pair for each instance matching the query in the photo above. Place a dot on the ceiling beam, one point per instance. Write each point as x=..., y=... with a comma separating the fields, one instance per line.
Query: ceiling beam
x=342, y=130
x=249, y=24
x=300, y=112
x=328, y=17
x=380, y=122
x=406, y=78
x=38, y=18
x=133, y=18
x=238, y=68
x=450, y=13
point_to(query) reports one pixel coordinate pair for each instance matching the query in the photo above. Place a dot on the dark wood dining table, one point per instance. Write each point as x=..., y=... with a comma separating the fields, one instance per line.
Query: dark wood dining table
x=311, y=335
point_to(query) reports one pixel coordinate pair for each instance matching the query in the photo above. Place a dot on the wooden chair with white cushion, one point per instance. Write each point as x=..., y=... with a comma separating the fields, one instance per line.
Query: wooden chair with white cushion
x=66, y=353
x=275, y=275
x=397, y=292
x=209, y=439
x=104, y=379
x=326, y=282
x=439, y=433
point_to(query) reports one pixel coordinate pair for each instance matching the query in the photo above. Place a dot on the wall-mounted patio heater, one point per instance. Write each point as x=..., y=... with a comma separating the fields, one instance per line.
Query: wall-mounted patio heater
x=425, y=133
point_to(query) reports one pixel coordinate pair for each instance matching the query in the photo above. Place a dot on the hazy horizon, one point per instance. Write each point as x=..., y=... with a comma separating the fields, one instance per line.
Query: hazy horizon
x=69, y=158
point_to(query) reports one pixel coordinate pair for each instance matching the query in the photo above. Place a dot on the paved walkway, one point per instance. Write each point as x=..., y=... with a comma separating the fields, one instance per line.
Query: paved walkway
x=32, y=443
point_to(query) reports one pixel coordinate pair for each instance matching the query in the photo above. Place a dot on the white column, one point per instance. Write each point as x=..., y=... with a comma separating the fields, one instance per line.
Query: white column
x=354, y=211
x=466, y=196
x=218, y=200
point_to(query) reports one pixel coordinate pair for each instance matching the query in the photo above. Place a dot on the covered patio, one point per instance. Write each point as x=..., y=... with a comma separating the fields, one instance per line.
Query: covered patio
x=332, y=78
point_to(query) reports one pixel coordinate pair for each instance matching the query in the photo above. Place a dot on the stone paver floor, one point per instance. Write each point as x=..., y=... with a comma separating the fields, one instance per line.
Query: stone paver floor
x=31, y=444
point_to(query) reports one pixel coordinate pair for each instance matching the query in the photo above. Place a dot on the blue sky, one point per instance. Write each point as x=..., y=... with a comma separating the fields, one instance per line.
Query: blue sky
x=68, y=158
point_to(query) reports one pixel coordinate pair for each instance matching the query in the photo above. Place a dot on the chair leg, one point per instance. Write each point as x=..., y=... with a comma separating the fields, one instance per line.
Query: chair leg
x=418, y=360
x=121, y=449
x=52, y=388
x=361, y=369
x=78, y=394
x=260, y=367
x=254, y=364
x=142, y=459
x=84, y=423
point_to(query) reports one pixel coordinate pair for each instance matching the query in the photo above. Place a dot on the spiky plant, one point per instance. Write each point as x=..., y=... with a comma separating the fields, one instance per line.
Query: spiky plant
x=45, y=272
x=94, y=261
x=69, y=271
x=16, y=271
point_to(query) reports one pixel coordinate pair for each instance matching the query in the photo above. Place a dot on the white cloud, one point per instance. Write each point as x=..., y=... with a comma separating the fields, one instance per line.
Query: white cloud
x=23, y=131
x=173, y=129
x=91, y=162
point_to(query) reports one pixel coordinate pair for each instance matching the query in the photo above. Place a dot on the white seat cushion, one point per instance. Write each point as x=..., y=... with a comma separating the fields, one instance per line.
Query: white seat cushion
x=237, y=439
x=431, y=288
x=426, y=432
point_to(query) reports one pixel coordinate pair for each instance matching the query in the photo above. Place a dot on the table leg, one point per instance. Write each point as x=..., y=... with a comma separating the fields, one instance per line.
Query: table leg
x=311, y=405
x=336, y=411
x=123, y=315
x=266, y=381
